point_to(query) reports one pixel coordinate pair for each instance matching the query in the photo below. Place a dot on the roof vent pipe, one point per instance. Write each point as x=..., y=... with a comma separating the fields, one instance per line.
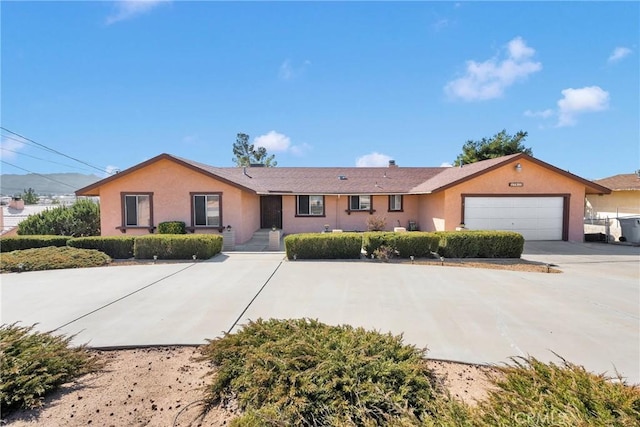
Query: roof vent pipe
x=244, y=171
x=392, y=164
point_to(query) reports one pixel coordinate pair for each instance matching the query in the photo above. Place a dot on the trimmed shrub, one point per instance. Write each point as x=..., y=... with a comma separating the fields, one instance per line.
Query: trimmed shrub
x=403, y=244
x=52, y=258
x=8, y=244
x=117, y=247
x=306, y=373
x=80, y=219
x=33, y=364
x=480, y=244
x=172, y=227
x=177, y=246
x=323, y=245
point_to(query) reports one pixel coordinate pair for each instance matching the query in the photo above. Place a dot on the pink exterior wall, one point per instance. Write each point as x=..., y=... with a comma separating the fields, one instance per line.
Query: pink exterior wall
x=337, y=217
x=171, y=184
x=536, y=180
x=431, y=212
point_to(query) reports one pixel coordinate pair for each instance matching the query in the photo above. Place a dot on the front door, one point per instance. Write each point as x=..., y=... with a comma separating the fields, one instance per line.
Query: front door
x=271, y=211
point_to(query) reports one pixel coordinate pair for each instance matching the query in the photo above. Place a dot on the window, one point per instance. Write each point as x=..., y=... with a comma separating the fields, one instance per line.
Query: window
x=206, y=210
x=310, y=205
x=137, y=210
x=359, y=203
x=395, y=202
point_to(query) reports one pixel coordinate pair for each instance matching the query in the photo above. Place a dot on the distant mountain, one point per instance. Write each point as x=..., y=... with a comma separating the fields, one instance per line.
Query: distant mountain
x=45, y=184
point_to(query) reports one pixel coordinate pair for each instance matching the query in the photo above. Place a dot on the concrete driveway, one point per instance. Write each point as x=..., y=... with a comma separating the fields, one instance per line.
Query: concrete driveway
x=589, y=314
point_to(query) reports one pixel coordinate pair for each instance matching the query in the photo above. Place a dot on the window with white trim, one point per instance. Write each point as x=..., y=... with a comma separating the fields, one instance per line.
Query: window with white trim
x=137, y=210
x=395, y=202
x=360, y=203
x=207, y=210
x=310, y=205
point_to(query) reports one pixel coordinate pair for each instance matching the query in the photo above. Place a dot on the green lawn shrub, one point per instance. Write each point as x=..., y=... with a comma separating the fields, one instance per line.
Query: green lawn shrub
x=303, y=372
x=403, y=244
x=52, y=258
x=531, y=392
x=177, y=246
x=480, y=244
x=33, y=364
x=117, y=247
x=323, y=245
x=16, y=243
x=172, y=227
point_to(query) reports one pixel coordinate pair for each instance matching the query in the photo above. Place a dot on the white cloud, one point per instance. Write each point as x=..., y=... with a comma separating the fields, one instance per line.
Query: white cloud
x=578, y=101
x=288, y=71
x=373, y=160
x=446, y=165
x=488, y=79
x=619, y=53
x=544, y=114
x=273, y=141
x=300, y=150
x=112, y=169
x=127, y=9
x=9, y=148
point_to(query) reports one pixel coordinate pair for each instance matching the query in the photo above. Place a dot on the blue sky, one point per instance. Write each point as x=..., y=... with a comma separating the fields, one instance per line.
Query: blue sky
x=319, y=83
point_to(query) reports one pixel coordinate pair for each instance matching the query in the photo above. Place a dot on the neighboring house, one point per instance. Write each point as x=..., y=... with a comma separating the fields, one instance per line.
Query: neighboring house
x=15, y=213
x=516, y=192
x=623, y=201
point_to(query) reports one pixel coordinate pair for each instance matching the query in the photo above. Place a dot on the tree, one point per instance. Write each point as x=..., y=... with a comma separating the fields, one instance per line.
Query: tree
x=78, y=220
x=501, y=144
x=247, y=154
x=30, y=197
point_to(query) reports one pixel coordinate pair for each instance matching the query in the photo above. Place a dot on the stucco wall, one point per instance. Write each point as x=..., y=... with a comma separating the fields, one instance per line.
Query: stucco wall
x=171, y=184
x=618, y=203
x=535, y=179
x=337, y=217
x=432, y=213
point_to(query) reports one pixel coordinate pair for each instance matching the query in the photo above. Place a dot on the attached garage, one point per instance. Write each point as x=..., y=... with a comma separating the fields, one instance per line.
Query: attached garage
x=535, y=217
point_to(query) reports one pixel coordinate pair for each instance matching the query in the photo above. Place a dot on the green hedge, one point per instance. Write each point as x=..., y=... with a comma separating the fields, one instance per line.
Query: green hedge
x=177, y=246
x=323, y=245
x=417, y=244
x=118, y=247
x=8, y=244
x=172, y=227
x=480, y=244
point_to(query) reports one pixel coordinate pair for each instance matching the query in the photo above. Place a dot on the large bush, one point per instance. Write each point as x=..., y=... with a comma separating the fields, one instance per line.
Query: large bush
x=80, y=219
x=480, y=244
x=302, y=372
x=33, y=364
x=172, y=227
x=118, y=247
x=8, y=244
x=52, y=258
x=177, y=246
x=403, y=244
x=323, y=245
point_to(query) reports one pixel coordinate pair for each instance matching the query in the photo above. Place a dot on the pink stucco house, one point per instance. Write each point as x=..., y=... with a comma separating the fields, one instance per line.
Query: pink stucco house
x=516, y=192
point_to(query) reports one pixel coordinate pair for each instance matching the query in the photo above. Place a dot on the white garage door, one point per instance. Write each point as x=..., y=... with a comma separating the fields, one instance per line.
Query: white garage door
x=536, y=218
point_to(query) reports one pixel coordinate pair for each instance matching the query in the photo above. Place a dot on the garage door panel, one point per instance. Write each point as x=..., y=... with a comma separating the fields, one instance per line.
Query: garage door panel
x=536, y=218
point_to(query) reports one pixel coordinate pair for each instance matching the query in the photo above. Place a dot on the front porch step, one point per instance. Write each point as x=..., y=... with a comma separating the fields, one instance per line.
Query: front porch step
x=259, y=242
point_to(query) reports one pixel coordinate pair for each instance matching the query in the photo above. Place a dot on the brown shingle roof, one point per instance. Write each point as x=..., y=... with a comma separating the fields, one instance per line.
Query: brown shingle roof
x=625, y=181
x=327, y=180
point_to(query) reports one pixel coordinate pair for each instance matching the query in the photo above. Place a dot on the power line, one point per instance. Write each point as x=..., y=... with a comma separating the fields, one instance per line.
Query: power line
x=40, y=175
x=40, y=158
x=54, y=151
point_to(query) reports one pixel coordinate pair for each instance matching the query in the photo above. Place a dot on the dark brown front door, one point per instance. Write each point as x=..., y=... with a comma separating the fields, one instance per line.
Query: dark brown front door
x=270, y=211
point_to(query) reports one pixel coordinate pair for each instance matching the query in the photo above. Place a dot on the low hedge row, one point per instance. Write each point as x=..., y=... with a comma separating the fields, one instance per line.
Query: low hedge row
x=323, y=245
x=8, y=244
x=118, y=247
x=480, y=244
x=177, y=246
x=165, y=246
x=449, y=244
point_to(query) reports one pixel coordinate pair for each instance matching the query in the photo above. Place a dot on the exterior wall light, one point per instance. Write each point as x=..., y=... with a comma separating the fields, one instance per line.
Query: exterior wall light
x=518, y=167
x=228, y=228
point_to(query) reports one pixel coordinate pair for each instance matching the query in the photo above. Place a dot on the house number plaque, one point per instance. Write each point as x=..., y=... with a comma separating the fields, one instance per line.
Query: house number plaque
x=516, y=184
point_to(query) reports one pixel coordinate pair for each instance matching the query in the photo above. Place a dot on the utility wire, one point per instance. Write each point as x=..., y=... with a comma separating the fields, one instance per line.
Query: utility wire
x=54, y=151
x=35, y=173
x=40, y=158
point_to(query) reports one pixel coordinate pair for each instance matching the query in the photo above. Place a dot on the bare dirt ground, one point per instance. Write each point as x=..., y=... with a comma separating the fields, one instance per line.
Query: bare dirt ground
x=163, y=386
